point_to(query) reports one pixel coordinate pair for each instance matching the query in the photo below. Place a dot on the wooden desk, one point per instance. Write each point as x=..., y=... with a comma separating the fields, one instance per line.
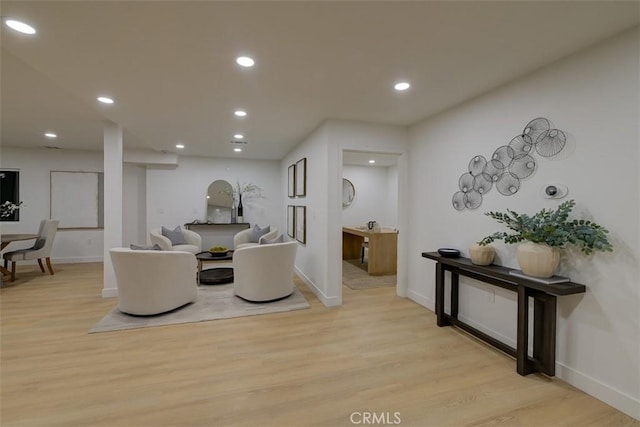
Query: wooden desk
x=383, y=249
x=544, y=309
x=8, y=238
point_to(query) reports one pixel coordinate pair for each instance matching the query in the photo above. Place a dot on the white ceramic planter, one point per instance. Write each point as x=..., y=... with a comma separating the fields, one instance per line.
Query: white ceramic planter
x=481, y=255
x=538, y=259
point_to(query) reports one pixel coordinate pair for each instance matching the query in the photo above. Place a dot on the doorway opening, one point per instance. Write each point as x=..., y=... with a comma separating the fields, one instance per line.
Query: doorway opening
x=370, y=189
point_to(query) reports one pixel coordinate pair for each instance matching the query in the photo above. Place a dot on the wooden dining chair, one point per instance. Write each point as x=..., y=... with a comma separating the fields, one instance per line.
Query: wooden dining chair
x=40, y=250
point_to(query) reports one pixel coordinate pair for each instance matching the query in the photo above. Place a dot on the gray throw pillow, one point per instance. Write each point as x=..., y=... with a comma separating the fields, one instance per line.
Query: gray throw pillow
x=279, y=239
x=258, y=232
x=175, y=236
x=155, y=247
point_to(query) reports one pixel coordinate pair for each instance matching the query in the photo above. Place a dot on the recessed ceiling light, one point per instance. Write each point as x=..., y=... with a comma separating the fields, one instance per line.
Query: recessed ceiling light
x=50, y=135
x=20, y=27
x=402, y=86
x=237, y=149
x=240, y=113
x=105, y=100
x=372, y=161
x=238, y=136
x=245, y=61
x=179, y=145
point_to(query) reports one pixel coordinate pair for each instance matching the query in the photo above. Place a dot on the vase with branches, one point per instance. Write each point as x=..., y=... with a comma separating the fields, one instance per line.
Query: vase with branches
x=249, y=191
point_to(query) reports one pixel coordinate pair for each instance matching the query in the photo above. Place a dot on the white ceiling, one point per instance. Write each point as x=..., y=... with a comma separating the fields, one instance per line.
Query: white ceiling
x=171, y=65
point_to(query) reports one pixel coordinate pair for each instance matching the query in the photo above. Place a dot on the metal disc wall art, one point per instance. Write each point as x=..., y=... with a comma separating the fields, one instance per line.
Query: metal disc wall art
x=551, y=143
x=465, y=183
x=535, y=128
x=477, y=165
x=508, y=164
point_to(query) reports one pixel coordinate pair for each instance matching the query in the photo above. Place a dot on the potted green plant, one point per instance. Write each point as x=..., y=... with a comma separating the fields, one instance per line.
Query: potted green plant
x=544, y=234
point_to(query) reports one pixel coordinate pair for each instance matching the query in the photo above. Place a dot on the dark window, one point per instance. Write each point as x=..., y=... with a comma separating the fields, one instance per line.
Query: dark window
x=9, y=192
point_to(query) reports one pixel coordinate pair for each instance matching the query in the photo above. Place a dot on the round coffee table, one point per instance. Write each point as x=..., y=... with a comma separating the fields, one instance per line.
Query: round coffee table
x=214, y=276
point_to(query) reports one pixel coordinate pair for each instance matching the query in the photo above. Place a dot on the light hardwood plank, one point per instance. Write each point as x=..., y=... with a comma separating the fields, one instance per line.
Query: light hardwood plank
x=377, y=353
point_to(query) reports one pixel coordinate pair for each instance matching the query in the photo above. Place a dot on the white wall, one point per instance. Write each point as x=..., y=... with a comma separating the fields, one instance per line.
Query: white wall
x=177, y=196
x=375, y=188
x=311, y=258
x=392, y=196
x=35, y=166
x=145, y=193
x=134, y=217
x=594, y=97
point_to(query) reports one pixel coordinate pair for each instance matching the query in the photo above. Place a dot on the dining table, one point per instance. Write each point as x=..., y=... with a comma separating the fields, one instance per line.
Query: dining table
x=8, y=238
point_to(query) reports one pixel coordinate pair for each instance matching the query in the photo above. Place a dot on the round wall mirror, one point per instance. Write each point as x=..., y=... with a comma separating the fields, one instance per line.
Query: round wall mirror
x=219, y=202
x=348, y=192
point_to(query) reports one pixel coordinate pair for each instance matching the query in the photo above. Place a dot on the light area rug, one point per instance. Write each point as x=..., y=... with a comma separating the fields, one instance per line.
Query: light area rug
x=355, y=276
x=214, y=302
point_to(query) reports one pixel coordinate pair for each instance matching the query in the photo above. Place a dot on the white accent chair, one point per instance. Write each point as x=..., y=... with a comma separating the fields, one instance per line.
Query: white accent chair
x=40, y=250
x=264, y=272
x=153, y=282
x=243, y=238
x=193, y=239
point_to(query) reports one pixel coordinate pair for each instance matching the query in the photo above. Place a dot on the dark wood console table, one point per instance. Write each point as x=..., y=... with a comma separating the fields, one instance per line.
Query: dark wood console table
x=544, y=309
x=211, y=225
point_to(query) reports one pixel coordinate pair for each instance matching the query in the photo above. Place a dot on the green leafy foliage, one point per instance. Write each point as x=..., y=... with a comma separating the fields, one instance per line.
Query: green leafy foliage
x=552, y=227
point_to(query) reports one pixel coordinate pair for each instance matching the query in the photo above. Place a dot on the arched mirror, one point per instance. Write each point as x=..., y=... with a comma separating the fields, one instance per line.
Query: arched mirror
x=219, y=202
x=348, y=192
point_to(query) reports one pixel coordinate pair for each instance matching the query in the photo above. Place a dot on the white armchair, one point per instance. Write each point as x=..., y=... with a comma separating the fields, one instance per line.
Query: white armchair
x=243, y=238
x=264, y=272
x=153, y=282
x=193, y=241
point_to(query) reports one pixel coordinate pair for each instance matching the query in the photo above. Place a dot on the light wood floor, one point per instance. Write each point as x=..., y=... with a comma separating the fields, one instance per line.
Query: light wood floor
x=377, y=353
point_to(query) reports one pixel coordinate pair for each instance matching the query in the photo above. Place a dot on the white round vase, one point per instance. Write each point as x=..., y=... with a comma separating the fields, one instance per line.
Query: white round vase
x=481, y=255
x=538, y=259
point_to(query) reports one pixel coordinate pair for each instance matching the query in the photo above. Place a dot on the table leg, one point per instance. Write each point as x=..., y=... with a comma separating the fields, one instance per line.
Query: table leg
x=523, y=365
x=544, y=332
x=441, y=321
x=455, y=280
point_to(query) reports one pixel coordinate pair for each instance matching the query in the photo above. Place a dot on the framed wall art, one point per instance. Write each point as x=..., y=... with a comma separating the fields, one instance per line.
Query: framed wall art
x=301, y=177
x=301, y=224
x=291, y=181
x=291, y=221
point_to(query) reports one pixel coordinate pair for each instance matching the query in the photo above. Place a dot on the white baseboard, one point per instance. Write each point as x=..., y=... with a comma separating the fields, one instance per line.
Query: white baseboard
x=109, y=293
x=421, y=299
x=75, y=260
x=609, y=395
x=327, y=301
x=71, y=260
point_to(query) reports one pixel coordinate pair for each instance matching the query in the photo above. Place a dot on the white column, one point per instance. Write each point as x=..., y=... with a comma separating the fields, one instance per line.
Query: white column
x=112, y=202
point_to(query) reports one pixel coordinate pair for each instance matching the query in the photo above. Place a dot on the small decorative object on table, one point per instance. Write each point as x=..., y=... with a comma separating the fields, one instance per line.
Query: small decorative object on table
x=482, y=255
x=218, y=251
x=449, y=252
x=544, y=234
